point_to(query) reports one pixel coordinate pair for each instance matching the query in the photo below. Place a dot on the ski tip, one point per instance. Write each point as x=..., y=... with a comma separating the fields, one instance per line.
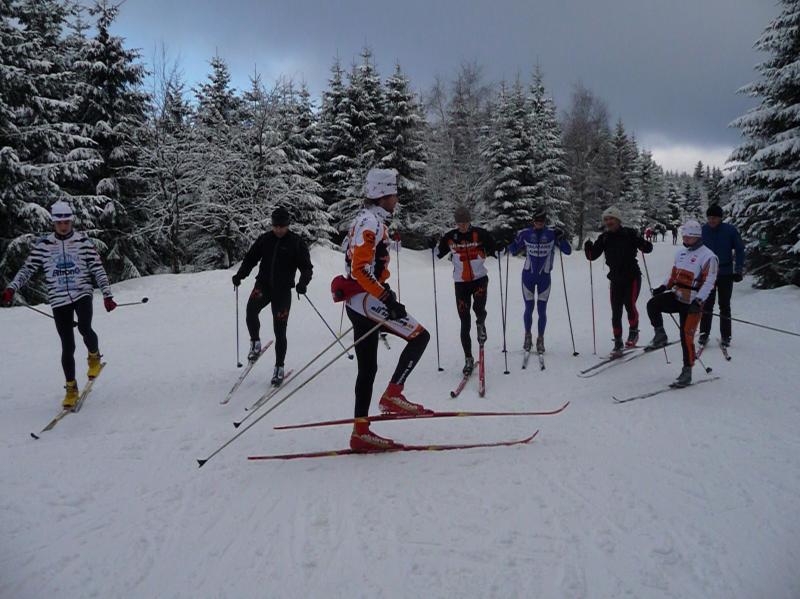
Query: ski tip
x=35, y=436
x=201, y=463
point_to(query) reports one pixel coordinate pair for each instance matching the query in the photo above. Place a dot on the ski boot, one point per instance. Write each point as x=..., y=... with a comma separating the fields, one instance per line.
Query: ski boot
x=277, y=376
x=540, y=345
x=725, y=342
x=94, y=365
x=394, y=402
x=469, y=366
x=71, y=396
x=633, y=338
x=685, y=378
x=481, y=333
x=255, y=350
x=703, y=340
x=659, y=340
x=618, y=348
x=364, y=440
x=528, y=343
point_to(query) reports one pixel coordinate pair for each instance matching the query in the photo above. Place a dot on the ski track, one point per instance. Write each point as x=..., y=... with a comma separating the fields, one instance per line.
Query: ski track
x=690, y=494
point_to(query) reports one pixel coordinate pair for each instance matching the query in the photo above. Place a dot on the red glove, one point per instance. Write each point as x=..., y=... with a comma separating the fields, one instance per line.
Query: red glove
x=396, y=236
x=7, y=298
x=109, y=303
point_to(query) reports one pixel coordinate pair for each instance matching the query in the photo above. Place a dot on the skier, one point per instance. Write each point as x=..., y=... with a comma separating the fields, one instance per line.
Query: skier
x=620, y=246
x=684, y=291
x=674, y=230
x=539, y=243
x=370, y=300
x=281, y=253
x=469, y=247
x=724, y=240
x=70, y=261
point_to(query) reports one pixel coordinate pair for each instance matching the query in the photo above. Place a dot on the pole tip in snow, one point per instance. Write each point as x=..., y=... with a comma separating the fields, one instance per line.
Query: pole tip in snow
x=201, y=463
x=350, y=356
x=506, y=372
x=238, y=365
x=237, y=424
x=145, y=300
x=575, y=354
x=441, y=369
x=35, y=436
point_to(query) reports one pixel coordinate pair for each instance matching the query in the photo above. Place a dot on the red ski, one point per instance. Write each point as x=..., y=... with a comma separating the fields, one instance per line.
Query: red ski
x=336, y=452
x=383, y=417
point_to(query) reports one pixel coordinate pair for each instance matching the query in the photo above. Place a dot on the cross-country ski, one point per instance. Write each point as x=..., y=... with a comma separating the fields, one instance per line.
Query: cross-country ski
x=251, y=361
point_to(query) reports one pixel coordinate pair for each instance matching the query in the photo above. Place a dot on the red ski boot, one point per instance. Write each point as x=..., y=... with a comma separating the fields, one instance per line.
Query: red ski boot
x=393, y=402
x=364, y=440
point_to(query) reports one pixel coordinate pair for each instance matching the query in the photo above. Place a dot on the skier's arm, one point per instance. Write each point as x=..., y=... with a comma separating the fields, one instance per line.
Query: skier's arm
x=738, y=247
x=563, y=244
x=31, y=266
x=515, y=246
x=596, y=249
x=304, y=264
x=710, y=272
x=251, y=258
x=96, y=268
x=361, y=266
x=489, y=243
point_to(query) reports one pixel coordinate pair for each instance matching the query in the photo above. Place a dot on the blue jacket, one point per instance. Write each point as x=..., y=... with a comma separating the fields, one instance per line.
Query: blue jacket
x=724, y=241
x=539, y=249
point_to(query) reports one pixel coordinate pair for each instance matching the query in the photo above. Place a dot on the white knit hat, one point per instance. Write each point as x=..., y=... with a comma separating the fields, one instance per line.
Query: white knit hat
x=613, y=212
x=61, y=212
x=692, y=228
x=380, y=182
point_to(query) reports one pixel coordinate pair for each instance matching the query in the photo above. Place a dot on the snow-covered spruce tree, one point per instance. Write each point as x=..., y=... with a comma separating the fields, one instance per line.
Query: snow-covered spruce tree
x=766, y=204
x=625, y=176
x=674, y=205
x=366, y=108
x=548, y=167
x=692, y=199
x=508, y=155
x=405, y=152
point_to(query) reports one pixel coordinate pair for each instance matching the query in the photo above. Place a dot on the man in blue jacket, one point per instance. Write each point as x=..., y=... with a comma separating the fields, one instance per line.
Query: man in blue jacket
x=724, y=240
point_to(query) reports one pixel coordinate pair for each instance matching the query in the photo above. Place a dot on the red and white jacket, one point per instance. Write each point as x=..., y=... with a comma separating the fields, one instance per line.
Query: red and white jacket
x=367, y=250
x=694, y=273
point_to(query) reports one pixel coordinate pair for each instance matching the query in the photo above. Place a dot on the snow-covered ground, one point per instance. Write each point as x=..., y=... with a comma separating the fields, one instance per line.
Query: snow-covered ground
x=690, y=494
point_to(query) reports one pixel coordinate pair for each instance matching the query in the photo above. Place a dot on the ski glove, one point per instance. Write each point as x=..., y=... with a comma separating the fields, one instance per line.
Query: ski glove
x=397, y=311
x=301, y=288
x=696, y=306
x=432, y=243
x=737, y=277
x=559, y=234
x=237, y=280
x=659, y=290
x=109, y=303
x=7, y=298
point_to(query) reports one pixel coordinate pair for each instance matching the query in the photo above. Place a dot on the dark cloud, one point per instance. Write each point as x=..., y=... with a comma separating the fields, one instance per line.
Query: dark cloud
x=669, y=68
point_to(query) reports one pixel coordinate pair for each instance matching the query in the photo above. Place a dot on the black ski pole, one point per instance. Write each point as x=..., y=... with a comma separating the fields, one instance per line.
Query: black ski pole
x=397, y=253
x=569, y=318
x=42, y=312
x=238, y=361
x=335, y=336
x=503, y=308
x=755, y=324
x=436, y=310
x=650, y=285
x=591, y=290
x=144, y=300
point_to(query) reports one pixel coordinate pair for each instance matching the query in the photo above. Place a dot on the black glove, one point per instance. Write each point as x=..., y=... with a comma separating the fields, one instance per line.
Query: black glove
x=397, y=311
x=301, y=288
x=696, y=306
x=660, y=289
x=737, y=277
x=237, y=279
x=559, y=234
x=432, y=243
x=587, y=247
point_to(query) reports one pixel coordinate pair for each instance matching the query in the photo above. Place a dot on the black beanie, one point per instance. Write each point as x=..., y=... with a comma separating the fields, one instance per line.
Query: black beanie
x=714, y=210
x=280, y=217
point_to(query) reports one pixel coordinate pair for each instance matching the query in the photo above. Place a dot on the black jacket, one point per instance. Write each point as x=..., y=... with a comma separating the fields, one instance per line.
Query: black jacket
x=621, y=249
x=280, y=260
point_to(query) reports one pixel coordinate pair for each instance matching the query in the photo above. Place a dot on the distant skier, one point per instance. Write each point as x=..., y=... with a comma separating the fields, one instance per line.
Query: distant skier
x=469, y=247
x=674, y=230
x=281, y=253
x=684, y=291
x=724, y=240
x=370, y=300
x=70, y=262
x=620, y=246
x=539, y=244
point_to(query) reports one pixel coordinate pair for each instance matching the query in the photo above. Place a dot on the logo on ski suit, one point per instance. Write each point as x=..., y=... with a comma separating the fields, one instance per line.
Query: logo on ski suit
x=65, y=271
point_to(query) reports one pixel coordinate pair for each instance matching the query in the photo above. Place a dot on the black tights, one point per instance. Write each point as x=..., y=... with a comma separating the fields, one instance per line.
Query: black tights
x=471, y=294
x=281, y=304
x=64, y=317
x=367, y=356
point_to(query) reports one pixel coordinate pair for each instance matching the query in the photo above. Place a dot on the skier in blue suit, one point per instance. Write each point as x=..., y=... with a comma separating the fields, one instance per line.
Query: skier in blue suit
x=539, y=244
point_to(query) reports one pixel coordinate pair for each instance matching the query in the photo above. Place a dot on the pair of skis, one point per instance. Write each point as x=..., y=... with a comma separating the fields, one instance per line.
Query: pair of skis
x=625, y=356
x=399, y=448
x=78, y=405
x=670, y=387
x=245, y=372
x=465, y=379
x=527, y=356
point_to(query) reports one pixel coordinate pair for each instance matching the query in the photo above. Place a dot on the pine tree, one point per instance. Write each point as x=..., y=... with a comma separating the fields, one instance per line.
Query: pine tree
x=405, y=150
x=674, y=205
x=765, y=206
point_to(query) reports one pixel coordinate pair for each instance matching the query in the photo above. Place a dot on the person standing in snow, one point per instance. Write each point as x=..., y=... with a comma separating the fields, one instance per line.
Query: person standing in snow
x=469, y=246
x=539, y=243
x=281, y=254
x=370, y=300
x=684, y=291
x=621, y=246
x=70, y=261
x=724, y=240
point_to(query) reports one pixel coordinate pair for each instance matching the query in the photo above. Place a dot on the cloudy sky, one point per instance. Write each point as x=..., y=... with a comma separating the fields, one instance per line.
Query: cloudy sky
x=669, y=68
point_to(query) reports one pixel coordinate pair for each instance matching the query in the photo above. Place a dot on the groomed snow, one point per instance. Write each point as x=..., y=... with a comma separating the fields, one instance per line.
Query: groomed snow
x=692, y=494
